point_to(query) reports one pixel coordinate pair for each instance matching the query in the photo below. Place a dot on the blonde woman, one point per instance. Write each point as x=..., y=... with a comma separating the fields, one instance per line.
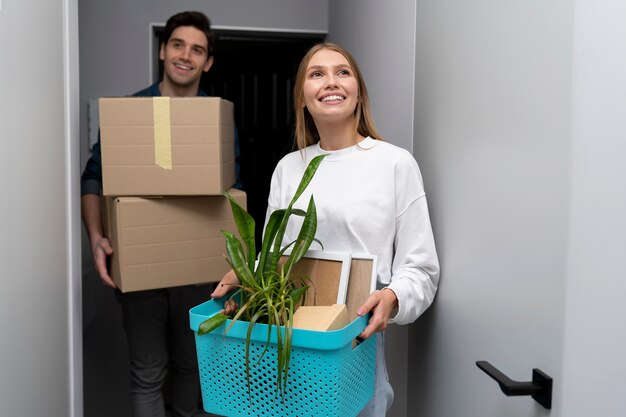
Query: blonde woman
x=368, y=193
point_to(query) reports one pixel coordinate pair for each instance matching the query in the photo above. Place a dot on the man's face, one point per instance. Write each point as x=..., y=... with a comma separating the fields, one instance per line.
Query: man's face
x=185, y=56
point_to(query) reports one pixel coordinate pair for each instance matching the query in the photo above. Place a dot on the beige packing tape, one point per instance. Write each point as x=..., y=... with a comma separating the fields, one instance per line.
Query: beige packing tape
x=162, y=132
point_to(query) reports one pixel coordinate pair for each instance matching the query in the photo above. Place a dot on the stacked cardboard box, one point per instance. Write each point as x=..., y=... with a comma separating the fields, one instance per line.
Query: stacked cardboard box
x=165, y=162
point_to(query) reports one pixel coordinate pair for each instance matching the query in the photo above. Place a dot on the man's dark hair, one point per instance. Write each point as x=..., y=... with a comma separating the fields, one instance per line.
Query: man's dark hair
x=196, y=19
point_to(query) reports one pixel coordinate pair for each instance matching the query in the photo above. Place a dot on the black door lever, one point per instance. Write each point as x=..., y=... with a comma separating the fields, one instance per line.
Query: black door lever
x=540, y=388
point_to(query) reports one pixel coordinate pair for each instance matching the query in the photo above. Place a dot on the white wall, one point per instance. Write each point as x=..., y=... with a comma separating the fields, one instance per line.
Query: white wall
x=493, y=97
x=39, y=83
x=595, y=336
x=381, y=36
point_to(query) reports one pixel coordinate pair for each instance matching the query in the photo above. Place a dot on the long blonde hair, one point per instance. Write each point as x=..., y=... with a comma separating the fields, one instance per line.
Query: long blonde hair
x=306, y=132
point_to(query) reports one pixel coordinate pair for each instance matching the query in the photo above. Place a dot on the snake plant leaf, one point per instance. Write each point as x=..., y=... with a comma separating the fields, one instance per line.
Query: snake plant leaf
x=240, y=312
x=305, y=237
x=307, y=177
x=280, y=358
x=255, y=320
x=309, y=172
x=212, y=323
x=319, y=242
x=286, y=247
x=246, y=226
x=252, y=322
x=237, y=258
x=297, y=293
x=298, y=212
x=274, y=222
x=288, y=339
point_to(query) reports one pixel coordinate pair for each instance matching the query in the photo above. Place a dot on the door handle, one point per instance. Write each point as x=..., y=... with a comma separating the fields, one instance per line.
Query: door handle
x=540, y=388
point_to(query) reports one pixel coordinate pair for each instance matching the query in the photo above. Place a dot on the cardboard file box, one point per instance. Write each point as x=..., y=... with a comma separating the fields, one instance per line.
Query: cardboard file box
x=162, y=146
x=168, y=241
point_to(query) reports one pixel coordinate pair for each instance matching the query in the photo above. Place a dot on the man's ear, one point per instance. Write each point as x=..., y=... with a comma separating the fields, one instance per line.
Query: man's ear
x=162, y=52
x=208, y=64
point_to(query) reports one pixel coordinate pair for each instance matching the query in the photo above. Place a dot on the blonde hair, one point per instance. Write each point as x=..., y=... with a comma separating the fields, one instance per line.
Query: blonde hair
x=305, y=131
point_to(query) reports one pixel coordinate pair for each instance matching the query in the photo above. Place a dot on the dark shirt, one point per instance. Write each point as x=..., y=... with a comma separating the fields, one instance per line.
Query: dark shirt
x=91, y=180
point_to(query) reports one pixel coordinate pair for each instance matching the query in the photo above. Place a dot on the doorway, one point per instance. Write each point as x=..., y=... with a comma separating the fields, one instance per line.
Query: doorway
x=256, y=71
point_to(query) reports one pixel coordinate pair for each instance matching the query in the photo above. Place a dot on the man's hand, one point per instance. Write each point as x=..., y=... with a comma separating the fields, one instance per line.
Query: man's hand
x=101, y=249
x=100, y=246
x=382, y=304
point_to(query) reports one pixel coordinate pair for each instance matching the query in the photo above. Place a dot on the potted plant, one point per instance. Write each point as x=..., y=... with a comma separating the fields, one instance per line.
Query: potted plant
x=268, y=293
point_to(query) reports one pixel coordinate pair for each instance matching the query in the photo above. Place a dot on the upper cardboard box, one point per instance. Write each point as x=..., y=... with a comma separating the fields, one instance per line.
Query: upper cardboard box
x=167, y=146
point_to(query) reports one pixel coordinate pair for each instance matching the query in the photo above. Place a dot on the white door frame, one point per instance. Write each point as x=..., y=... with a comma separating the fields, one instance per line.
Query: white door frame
x=72, y=191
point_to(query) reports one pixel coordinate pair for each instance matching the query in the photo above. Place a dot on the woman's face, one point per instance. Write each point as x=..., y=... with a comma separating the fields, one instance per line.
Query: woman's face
x=330, y=88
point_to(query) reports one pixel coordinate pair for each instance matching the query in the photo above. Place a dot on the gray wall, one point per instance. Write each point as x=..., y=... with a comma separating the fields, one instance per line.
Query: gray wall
x=519, y=132
x=595, y=335
x=492, y=117
x=38, y=249
x=381, y=36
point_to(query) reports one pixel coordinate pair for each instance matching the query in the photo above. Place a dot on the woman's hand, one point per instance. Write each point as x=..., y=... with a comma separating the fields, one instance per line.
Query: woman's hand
x=228, y=283
x=382, y=304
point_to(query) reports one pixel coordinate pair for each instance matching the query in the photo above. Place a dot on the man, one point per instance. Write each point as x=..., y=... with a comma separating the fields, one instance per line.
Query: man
x=156, y=321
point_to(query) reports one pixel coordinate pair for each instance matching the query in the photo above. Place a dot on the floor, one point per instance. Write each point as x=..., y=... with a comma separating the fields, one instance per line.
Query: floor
x=105, y=373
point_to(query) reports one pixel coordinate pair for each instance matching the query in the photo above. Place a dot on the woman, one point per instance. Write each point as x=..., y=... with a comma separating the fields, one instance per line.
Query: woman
x=368, y=193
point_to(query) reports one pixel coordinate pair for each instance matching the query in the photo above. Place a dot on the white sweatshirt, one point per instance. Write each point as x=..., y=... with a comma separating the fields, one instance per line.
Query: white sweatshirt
x=370, y=199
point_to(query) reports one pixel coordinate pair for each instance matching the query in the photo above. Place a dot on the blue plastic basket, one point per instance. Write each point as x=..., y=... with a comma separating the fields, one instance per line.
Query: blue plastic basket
x=327, y=377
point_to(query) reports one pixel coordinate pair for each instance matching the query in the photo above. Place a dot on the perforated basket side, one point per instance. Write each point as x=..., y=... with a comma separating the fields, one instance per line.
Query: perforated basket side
x=321, y=382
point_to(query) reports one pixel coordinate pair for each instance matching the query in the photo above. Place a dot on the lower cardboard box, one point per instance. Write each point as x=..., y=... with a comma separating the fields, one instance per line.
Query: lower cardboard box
x=168, y=241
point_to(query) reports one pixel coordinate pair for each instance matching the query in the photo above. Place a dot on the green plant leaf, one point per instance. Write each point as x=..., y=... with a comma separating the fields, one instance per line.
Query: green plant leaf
x=284, y=249
x=304, y=182
x=212, y=323
x=274, y=222
x=237, y=259
x=305, y=237
x=246, y=227
x=298, y=212
x=297, y=293
x=288, y=339
x=307, y=177
x=319, y=242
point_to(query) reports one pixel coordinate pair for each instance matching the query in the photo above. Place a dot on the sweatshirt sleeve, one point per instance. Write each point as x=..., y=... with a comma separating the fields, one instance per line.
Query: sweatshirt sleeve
x=91, y=180
x=415, y=269
x=415, y=266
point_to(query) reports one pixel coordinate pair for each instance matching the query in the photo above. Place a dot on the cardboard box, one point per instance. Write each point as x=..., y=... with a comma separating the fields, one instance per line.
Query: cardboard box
x=321, y=318
x=169, y=241
x=162, y=146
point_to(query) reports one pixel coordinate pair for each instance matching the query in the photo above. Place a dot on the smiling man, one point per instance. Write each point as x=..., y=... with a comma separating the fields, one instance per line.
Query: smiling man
x=156, y=321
